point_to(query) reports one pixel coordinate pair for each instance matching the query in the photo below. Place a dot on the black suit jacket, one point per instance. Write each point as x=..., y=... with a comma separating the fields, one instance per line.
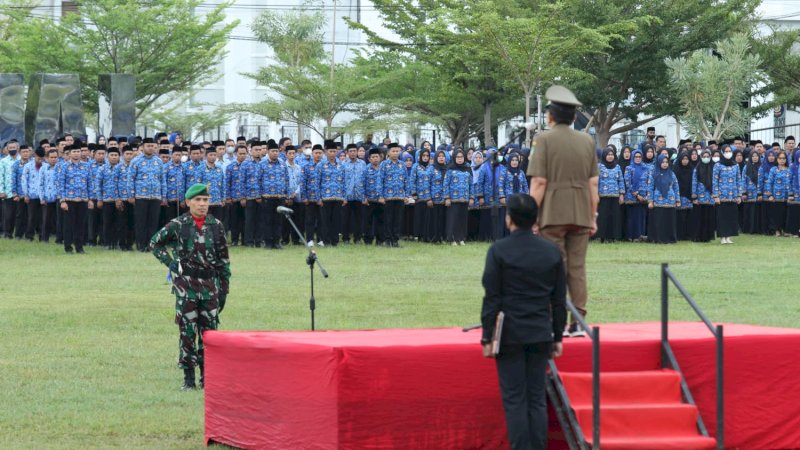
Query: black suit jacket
x=524, y=277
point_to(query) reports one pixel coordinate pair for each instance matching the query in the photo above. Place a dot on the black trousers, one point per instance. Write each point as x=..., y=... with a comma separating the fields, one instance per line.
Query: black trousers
x=331, y=221
x=216, y=211
x=374, y=225
x=273, y=220
x=126, y=226
x=146, y=213
x=95, y=224
x=48, y=220
x=353, y=221
x=521, y=370
x=237, y=221
x=111, y=224
x=313, y=227
x=34, y=219
x=421, y=218
x=393, y=218
x=74, y=223
x=21, y=219
x=59, y=224
x=457, y=222
x=438, y=222
x=252, y=230
x=171, y=211
x=9, y=217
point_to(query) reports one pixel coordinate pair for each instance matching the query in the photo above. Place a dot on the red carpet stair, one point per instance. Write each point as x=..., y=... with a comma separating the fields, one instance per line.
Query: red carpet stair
x=638, y=410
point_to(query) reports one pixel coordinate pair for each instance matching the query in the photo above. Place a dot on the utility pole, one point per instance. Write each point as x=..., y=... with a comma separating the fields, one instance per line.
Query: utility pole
x=333, y=61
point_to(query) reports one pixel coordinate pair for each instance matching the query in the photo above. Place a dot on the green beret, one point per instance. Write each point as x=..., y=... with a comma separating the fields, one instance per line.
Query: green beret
x=195, y=190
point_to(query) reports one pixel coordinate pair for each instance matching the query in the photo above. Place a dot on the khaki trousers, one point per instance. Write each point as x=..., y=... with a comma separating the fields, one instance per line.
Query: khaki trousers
x=573, y=242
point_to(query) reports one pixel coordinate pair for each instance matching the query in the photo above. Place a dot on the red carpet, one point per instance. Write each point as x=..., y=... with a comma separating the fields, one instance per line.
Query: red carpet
x=431, y=389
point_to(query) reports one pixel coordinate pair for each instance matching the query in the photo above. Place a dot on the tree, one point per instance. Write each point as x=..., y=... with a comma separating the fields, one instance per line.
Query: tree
x=629, y=84
x=711, y=89
x=779, y=61
x=192, y=124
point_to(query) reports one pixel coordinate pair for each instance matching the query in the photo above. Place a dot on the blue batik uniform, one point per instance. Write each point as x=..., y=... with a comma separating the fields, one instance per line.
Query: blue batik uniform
x=106, y=183
x=172, y=188
x=699, y=191
x=354, y=180
x=74, y=182
x=123, y=174
x=235, y=181
x=394, y=178
x=49, y=185
x=252, y=178
x=5, y=176
x=146, y=173
x=749, y=188
x=295, y=172
x=16, y=178
x=437, y=186
x=488, y=186
x=310, y=189
x=31, y=180
x=274, y=179
x=643, y=187
x=458, y=186
x=214, y=177
x=192, y=174
x=373, y=189
x=726, y=184
x=778, y=184
x=94, y=169
x=419, y=183
x=660, y=200
x=330, y=180
x=794, y=184
x=612, y=182
x=505, y=184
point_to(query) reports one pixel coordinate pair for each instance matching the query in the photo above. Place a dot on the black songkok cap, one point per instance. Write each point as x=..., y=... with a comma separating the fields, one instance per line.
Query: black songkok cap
x=374, y=151
x=163, y=151
x=271, y=144
x=99, y=147
x=241, y=138
x=349, y=146
x=330, y=145
x=194, y=147
x=112, y=150
x=290, y=147
x=316, y=147
x=122, y=140
x=148, y=141
x=394, y=145
x=163, y=142
x=92, y=147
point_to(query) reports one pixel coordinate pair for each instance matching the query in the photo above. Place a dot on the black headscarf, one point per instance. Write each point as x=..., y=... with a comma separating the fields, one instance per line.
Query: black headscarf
x=624, y=163
x=421, y=162
x=744, y=160
x=463, y=167
x=696, y=161
x=727, y=162
x=644, y=154
x=752, y=168
x=603, y=159
x=442, y=168
x=705, y=172
x=684, y=174
x=514, y=171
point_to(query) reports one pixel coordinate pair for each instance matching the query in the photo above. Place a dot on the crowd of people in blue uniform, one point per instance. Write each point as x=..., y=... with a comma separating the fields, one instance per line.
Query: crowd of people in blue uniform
x=117, y=193
x=658, y=194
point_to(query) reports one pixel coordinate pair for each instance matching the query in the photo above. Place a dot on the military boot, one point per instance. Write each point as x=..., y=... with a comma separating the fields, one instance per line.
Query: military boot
x=202, y=376
x=188, y=379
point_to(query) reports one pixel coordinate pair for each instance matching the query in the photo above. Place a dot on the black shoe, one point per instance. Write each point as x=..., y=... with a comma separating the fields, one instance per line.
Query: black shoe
x=68, y=249
x=395, y=245
x=188, y=380
x=277, y=246
x=80, y=251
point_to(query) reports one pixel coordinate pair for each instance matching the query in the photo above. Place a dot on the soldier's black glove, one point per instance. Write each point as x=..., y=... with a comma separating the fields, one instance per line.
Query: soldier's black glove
x=221, y=302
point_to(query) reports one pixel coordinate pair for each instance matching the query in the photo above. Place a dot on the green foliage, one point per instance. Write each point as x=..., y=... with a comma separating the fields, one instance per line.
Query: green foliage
x=168, y=45
x=631, y=77
x=192, y=124
x=711, y=89
x=779, y=62
x=295, y=36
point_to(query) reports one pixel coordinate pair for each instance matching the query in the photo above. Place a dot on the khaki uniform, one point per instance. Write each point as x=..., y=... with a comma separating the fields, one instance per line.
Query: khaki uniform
x=566, y=159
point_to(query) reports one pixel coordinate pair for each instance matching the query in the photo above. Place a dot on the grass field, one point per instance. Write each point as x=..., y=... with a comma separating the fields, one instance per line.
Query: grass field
x=88, y=345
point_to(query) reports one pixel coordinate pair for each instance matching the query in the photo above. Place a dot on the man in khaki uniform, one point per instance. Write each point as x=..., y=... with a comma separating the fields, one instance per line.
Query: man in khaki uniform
x=564, y=184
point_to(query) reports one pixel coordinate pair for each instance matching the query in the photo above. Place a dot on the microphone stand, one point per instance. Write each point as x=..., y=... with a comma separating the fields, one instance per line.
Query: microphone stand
x=311, y=259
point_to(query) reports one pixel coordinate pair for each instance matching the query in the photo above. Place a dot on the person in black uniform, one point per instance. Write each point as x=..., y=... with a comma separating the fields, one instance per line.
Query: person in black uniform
x=531, y=292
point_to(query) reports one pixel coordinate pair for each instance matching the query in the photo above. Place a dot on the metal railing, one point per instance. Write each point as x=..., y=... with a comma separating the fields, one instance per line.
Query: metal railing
x=565, y=408
x=668, y=357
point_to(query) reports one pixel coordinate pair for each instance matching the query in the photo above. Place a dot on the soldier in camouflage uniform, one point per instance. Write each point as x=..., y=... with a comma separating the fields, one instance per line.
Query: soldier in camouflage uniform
x=193, y=246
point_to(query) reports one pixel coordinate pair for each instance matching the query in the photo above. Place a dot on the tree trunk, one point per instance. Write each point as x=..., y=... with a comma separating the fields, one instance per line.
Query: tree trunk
x=603, y=136
x=458, y=131
x=488, y=140
x=527, y=117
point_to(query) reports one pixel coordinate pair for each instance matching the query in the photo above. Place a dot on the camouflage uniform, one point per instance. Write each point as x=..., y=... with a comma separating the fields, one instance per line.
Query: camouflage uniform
x=200, y=269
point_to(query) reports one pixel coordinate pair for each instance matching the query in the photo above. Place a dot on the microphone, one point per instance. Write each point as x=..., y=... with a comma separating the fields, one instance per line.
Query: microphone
x=285, y=210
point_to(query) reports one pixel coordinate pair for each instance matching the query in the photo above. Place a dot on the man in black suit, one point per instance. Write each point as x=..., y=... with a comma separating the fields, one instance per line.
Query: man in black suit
x=524, y=277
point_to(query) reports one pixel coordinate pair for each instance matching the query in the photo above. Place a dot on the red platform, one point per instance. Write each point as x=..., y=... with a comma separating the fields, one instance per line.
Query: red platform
x=431, y=389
